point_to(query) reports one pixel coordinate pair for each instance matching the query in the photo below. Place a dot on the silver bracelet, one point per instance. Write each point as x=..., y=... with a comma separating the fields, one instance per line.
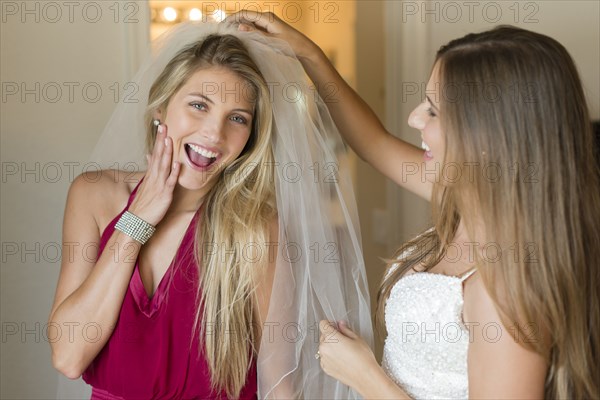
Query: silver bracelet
x=135, y=227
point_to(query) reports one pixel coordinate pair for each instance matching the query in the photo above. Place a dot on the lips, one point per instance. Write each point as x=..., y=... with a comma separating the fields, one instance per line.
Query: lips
x=199, y=156
x=427, y=155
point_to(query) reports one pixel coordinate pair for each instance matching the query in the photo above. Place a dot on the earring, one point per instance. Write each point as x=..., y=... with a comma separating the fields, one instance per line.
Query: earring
x=156, y=123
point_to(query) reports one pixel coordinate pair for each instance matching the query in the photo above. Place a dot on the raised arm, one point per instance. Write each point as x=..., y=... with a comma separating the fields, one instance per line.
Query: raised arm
x=398, y=160
x=90, y=291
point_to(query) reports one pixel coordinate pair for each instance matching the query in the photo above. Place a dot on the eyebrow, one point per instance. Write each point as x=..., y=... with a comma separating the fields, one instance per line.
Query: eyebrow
x=432, y=105
x=197, y=94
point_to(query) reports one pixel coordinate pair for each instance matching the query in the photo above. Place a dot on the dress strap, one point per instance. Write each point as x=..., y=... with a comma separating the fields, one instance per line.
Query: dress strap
x=467, y=274
x=134, y=191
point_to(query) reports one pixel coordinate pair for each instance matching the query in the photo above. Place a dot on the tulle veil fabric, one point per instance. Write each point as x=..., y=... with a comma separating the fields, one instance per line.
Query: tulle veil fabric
x=320, y=271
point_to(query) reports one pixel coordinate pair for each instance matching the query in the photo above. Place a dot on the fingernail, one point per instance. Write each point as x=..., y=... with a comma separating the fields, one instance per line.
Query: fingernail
x=166, y=142
x=160, y=129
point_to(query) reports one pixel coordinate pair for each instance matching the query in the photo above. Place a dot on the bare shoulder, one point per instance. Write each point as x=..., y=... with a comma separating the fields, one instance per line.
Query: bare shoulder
x=500, y=363
x=103, y=193
x=93, y=200
x=477, y=300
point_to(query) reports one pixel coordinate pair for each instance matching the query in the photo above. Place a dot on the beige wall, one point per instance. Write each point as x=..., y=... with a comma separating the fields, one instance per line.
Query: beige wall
x=370, y=185
x=49, y=131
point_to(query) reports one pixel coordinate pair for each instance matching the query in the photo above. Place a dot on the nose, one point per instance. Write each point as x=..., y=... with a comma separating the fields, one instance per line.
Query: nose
x=212, y=130
x=416, y=119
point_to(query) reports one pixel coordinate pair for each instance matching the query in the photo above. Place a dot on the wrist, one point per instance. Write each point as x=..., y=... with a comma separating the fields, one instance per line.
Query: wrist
x=145, y=216
x=135, y=227
x=368, y=380
x=311, y=54
x=377, y=384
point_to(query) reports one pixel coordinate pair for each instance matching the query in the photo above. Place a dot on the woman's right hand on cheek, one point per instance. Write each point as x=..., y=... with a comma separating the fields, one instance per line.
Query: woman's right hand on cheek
x=272, y=25
x=155, y=194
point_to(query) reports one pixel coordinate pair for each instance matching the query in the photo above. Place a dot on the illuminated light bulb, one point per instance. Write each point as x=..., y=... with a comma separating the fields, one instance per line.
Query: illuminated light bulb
x=195, y=14
x=170, y=14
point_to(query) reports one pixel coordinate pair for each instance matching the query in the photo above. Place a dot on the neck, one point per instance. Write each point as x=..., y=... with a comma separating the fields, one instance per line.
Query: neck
x=187, y=200
x=462, y=234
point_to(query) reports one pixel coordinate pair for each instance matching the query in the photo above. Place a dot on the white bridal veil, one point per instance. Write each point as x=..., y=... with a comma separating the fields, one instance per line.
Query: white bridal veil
x=320, y=269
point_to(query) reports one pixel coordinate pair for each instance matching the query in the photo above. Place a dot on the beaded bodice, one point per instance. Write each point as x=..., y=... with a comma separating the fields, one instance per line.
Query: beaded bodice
x=425, y=351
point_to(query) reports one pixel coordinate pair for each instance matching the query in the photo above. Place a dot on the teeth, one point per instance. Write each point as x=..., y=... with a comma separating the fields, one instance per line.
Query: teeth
x=203, y=152
x=425, y=147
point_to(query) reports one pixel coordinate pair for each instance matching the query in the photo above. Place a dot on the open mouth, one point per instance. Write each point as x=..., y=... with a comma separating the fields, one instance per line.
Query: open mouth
x=200, y=157
x=427, y=155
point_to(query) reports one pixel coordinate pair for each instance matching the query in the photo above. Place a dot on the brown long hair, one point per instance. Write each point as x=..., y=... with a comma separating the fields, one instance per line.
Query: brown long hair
x=237, y=210
x=513, y=107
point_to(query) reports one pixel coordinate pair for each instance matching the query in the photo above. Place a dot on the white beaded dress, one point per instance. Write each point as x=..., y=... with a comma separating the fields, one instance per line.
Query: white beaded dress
x=425, y=351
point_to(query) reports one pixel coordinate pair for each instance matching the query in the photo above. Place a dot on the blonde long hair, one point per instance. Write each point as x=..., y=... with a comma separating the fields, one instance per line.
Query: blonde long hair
x=236, y=212
x=512, y=101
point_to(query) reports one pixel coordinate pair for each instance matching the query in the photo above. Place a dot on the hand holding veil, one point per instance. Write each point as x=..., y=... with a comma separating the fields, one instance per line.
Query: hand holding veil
x=320, y=270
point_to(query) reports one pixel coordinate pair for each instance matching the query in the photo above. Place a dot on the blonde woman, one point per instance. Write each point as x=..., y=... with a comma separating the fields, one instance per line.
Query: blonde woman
x=499, y=299
x=189, y=249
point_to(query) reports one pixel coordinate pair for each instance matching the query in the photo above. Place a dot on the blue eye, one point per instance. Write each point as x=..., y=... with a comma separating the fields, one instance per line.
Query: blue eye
x=199, y=106
x=239, y=119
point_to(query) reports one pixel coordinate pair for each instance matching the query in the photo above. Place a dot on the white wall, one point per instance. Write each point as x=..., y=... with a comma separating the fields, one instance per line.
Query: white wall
x=51, y=132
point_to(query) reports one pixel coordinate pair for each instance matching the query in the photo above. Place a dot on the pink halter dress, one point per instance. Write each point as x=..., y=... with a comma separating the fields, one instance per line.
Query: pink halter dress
x=148, y=355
